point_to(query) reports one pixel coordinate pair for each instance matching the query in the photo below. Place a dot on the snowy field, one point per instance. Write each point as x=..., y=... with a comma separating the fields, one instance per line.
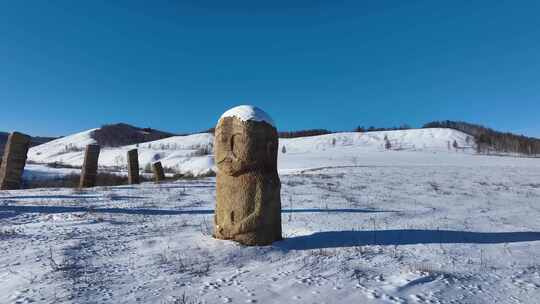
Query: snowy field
x=360, y=227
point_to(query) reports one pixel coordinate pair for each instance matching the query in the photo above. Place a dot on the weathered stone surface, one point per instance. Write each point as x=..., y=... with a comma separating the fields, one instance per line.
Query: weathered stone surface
x=248, y=200
x=90, y=166
x=14, y=160
x=159, y=174
x=133, y=166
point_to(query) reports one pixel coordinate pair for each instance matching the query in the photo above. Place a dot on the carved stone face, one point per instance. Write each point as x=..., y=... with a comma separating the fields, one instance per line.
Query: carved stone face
x=248, y=203
x=244, y=146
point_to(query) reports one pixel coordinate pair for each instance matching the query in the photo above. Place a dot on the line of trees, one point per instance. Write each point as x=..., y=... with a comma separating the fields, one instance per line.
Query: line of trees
x=292, y=134
x=491, y=141
x=304, y=133
x=373, y=129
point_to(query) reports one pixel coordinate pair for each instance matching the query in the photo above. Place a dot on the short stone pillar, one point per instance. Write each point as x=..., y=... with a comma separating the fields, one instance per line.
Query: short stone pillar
x=14, y=160
x=159, y=174
x=90, y=166
x=133, y=166
x=248, y=200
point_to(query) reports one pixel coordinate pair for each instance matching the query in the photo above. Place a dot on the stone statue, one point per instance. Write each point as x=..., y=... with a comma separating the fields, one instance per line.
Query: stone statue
x=159, y=174
x=248, y=202
x=133, y=166
x=90, y=166
x=14, y=160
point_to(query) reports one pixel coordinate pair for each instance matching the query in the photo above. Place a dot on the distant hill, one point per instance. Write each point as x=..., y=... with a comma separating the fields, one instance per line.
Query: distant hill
x=193, y=154
x=37, y=140
x=121, y=134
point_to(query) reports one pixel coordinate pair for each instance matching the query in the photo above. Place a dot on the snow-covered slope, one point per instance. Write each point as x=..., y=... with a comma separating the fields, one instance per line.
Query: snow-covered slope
x=193, y=153
x=66, y=150
x=412, y=140
x=181, y=153
x=415, y=146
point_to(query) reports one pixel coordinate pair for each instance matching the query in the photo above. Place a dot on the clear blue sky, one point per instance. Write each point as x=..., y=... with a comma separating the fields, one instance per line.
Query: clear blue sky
x=67, y=66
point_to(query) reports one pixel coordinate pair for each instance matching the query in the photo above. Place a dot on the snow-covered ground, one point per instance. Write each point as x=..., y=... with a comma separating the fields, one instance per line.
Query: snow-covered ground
x=361, y=225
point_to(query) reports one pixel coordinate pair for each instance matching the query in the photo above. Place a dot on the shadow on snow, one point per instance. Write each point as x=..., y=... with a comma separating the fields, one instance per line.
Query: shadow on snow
x=68, y=209
x=337, y=239
x=321, y=240
x=116, y=197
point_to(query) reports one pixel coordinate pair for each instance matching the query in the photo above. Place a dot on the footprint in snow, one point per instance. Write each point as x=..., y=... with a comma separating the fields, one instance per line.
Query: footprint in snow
x=393, y=299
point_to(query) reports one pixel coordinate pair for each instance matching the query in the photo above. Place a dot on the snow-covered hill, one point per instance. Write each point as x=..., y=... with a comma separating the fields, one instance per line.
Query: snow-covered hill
x=66, y=150
x=181, y=153
x=193, y=153
x=411, y=140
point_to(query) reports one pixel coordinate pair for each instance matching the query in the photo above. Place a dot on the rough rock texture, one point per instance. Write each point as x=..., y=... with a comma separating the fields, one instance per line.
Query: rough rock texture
x=90, y=166
x=159, y=174
x=133, y=166
x=14, y=160
x=248, y=202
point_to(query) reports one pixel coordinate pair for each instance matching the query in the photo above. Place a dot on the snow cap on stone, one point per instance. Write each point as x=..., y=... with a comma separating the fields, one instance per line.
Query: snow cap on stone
x=248, y=112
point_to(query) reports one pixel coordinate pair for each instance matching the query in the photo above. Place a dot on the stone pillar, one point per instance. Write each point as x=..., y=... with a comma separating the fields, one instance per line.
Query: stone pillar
x=133, y=166
x=14, y=160
x=90, y=166
x=248, y=200
x=159, y=175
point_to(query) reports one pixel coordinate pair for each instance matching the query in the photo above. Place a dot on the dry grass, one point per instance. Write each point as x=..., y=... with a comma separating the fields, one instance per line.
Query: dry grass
x=72, y=181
